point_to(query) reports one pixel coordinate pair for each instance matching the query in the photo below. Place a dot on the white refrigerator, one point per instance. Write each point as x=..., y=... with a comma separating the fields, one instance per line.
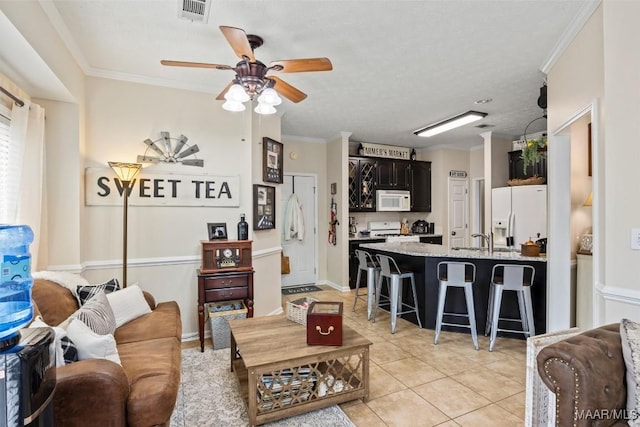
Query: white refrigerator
x=518, y=214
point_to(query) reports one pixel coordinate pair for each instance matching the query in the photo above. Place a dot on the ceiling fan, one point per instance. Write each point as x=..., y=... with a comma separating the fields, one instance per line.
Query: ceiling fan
x=251, y=75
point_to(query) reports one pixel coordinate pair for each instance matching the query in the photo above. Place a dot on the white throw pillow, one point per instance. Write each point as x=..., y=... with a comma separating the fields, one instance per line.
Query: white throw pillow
x=91, y=345
x=128, y=304
x=630, y=337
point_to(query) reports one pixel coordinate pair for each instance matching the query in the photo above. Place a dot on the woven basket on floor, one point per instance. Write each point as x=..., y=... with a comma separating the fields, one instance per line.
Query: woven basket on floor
x=297, y=310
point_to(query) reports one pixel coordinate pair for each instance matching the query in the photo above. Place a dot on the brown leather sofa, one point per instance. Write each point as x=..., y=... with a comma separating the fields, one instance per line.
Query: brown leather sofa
x=587, y=374
x=97, y=392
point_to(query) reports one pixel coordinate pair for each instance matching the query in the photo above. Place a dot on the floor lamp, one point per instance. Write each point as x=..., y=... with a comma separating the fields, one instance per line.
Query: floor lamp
x=126, y=173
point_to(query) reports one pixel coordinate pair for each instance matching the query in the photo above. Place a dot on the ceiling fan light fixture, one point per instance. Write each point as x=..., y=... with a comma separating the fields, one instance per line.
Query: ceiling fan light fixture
x=236, y=93
x=234, y=106
x=269, y=96
x=265, y=109
x=450, y=123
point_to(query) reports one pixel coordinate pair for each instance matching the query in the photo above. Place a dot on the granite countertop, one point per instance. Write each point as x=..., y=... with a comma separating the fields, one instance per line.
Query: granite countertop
x=360, y=238
x=429, y=250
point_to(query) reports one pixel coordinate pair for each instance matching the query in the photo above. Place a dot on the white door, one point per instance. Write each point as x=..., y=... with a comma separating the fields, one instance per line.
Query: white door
x=301, y=253
x=458, y=208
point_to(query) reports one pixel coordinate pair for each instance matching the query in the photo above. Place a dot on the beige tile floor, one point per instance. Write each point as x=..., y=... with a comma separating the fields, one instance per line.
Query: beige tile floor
x=416, y=383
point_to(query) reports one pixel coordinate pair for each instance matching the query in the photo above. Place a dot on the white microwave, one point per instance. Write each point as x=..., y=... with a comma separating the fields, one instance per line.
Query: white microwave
x=393, y=200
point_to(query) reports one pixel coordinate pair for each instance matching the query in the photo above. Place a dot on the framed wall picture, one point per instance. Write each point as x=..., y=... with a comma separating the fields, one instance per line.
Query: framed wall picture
x=217, y=230
x=264, y=207
x=271, y=161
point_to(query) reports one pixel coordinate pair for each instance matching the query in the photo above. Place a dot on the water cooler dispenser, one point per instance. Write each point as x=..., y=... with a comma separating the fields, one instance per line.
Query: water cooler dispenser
x=27, y=358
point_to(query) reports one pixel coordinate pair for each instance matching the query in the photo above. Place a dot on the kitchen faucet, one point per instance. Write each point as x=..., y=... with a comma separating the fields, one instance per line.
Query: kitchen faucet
x=487, y=238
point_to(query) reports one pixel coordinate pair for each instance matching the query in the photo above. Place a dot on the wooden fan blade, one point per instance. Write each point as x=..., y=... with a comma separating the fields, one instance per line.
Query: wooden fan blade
x=237, y=38
x=195, y=65
x=288, y=91
x=220, y=96
x=302, y=65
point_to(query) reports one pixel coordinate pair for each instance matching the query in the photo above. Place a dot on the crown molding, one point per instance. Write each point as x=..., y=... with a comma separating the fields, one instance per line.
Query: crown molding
x=570, y=33
x=444, y=147
x=56, y=20
x=297, y=138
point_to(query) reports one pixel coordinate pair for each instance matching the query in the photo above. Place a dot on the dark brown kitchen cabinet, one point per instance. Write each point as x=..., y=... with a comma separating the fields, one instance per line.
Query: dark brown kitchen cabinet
x=362, y=184
x=420, y=186
x=516, y=165
x=393, y=174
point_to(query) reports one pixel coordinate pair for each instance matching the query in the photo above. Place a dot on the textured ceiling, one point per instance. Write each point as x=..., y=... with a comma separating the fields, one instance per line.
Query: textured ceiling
x=398, y=65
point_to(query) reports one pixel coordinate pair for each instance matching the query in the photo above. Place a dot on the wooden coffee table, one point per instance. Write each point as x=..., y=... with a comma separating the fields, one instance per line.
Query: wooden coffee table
x=280, y=375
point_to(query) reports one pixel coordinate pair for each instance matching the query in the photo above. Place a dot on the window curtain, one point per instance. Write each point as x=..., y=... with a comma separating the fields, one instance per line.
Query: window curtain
x=25, y=171
x=32, y=195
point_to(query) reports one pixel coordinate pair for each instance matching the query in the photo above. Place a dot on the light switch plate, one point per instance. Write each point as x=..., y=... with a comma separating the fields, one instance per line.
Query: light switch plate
x=635, y=239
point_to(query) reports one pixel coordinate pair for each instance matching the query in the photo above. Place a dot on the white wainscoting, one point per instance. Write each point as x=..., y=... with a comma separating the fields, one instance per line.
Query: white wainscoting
x=166, y=278
x=617, y=303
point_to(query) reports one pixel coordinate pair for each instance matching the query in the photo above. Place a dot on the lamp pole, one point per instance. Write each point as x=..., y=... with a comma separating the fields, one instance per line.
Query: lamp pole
x=125, y=215
x=126, y=173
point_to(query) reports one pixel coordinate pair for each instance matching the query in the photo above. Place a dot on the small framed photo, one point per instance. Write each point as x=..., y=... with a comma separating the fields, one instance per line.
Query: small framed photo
x=217, y=230
x=272, y=161
x=264, y=207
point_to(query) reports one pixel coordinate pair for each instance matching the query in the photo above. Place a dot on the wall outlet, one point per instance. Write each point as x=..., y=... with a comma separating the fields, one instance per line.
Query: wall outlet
x=635, y=239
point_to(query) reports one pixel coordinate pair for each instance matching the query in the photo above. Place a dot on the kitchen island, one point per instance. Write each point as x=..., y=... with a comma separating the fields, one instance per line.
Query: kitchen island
x=423, y=258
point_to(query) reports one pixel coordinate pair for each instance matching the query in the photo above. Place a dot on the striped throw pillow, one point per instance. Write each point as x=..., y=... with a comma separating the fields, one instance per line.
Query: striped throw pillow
x=86, y=292
x=97, y=315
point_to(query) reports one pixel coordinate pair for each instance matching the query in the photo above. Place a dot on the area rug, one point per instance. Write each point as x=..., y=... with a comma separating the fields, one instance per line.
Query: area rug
x=209, y=395
x=300, y=289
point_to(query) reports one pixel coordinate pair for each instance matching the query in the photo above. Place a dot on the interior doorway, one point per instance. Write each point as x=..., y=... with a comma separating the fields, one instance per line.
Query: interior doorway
x=302, y=253
x=458, y=212
x=559, y=246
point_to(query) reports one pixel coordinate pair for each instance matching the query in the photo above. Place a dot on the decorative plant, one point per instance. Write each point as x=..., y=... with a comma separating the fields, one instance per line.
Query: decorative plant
x=530, y=153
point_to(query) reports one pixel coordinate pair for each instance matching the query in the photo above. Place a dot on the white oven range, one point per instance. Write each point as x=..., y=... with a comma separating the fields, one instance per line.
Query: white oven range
x=390, y=230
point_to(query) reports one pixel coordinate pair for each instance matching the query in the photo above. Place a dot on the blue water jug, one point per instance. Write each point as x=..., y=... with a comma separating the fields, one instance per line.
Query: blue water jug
x=16, y=309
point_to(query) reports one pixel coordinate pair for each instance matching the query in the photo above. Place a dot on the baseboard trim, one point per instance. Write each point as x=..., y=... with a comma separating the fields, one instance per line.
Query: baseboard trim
x=335, y=286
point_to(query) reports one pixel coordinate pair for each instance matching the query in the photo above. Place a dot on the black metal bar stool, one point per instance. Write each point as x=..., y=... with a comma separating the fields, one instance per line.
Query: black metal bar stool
x=510, y=277
x=459, y=275
x=393, y=276
x=367, y=264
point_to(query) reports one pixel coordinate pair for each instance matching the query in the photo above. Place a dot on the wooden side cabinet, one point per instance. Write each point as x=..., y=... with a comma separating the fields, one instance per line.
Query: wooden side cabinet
x=226, y=286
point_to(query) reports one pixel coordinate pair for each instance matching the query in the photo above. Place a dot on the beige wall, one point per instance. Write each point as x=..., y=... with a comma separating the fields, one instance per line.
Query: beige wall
x=598, y=66
x=312, y=159
x=338, y=255
x=164, y=242
x=621, y=153
x=442, y=161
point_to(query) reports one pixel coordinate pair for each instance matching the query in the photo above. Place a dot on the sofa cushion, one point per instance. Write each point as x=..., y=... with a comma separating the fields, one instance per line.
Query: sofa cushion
x=55, y=302
x=128, y=304
x=163, y=322
x=86, y=292
x=98, y=315
x=153, y=369
x=630, y=336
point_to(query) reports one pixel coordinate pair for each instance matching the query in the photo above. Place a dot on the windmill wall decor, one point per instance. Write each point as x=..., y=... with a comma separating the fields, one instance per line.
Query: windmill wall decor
x=171, y=152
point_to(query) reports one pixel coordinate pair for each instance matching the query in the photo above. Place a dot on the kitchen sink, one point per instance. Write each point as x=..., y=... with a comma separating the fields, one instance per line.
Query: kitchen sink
x=483, y=249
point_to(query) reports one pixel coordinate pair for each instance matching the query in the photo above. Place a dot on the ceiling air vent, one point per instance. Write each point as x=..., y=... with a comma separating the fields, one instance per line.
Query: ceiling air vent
x=484, y=125
x=194, y=10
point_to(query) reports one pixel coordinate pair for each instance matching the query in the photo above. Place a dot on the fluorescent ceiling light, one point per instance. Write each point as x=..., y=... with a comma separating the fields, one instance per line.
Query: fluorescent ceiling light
x=452, y=123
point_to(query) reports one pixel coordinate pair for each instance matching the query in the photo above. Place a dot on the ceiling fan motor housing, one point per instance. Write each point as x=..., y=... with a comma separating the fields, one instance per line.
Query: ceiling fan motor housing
x=251, y=76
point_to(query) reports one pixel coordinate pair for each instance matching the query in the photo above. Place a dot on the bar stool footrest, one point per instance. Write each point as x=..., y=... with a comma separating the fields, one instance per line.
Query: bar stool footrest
x=456, y=325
